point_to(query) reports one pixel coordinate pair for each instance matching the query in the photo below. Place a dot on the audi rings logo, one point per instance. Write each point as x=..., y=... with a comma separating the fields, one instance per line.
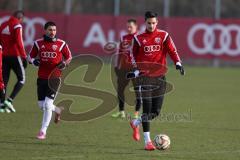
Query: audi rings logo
x=48, y=54
x=29, y=28
x=125, y=44
x=152, y=48
x=228, y=43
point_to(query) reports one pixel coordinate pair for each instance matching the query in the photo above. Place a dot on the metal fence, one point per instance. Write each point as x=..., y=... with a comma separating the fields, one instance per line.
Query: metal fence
x=188, y=8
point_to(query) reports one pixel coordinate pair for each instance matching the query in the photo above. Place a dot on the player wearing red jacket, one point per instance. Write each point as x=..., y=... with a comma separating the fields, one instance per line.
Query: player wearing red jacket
x=2, y=90
x=123, y=66
x=51, y=55
x=14, y=55
x=150, y=50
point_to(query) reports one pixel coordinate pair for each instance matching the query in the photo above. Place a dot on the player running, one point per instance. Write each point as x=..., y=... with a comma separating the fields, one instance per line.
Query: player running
x=14, y=55
x=150, y=50
x=2, y=90
x=51, y=55
x=123, y=66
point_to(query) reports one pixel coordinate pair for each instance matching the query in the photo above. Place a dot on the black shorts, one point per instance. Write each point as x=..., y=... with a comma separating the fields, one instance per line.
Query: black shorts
x=151, y=86
x=122, y=80
x=15, y=64
x=47, y=88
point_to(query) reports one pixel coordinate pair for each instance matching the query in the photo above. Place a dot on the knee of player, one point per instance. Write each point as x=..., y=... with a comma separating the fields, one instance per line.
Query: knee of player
x=21, y=78
x=22, y=81
x=48, y=104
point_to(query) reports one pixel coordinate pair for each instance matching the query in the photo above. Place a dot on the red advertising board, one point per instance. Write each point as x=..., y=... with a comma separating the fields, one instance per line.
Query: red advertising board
x=194, y=37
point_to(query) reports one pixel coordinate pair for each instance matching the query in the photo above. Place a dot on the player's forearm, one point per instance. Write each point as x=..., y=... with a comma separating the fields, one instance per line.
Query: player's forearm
x=30, y=59
x=33, y=54
x=22, y=51
x=67, y=54
x=175, y=57
x=172, y=51
x=67, y=61
x=177, y=61
x=20, y=43
x=133, y=53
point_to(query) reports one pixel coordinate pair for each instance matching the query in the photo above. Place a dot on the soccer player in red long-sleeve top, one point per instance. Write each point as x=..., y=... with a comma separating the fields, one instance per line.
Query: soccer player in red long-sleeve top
x=150, y=49
x=2, y=90
x=14, y=55
x=51, y=55
x=123, y=65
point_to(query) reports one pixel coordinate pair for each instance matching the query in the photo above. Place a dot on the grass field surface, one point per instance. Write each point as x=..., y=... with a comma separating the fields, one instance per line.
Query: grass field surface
x=201, y=116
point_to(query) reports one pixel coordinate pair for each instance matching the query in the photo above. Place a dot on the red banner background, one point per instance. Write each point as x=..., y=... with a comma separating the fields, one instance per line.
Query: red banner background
x=88, y=33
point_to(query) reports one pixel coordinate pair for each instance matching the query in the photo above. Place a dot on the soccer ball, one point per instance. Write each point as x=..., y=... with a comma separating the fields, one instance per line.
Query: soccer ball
x=162, y=142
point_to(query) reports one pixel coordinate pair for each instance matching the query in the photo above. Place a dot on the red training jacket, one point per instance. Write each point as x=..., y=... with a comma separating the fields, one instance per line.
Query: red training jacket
x=50, y=55
x=124, y=57
x=1, y=78
x=150, y=50
x=11, y=38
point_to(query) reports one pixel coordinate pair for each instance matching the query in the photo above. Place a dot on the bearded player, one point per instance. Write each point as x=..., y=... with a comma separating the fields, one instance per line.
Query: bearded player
x=51, y=55
x=150, y=50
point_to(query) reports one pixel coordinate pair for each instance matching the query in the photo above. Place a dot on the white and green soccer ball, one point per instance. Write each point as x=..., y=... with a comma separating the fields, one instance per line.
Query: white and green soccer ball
x=162, y=141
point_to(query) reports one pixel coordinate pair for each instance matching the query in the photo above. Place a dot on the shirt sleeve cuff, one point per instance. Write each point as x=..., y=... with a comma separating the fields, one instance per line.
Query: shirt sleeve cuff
x=179, y=64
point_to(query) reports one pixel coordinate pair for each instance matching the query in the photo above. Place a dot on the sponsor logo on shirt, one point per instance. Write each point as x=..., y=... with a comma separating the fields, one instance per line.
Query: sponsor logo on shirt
x=152, y=48
x=48, y=54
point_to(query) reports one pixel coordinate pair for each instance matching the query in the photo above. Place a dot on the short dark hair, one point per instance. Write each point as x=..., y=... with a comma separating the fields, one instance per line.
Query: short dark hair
x=131, y=20
x=49, y=23
x=150, y=14
x=18, y=14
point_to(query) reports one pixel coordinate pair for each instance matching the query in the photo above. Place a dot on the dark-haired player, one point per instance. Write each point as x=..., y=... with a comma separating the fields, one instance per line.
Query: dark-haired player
x=150, y=50
x=14, y=55
x=123, y=66
x=51, y=55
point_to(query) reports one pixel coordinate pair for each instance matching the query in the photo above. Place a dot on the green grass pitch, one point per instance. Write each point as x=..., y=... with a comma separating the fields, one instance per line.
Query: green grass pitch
x=207, y=98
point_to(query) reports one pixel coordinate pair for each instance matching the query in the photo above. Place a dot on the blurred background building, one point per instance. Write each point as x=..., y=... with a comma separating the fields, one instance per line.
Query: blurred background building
x=175, y=8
